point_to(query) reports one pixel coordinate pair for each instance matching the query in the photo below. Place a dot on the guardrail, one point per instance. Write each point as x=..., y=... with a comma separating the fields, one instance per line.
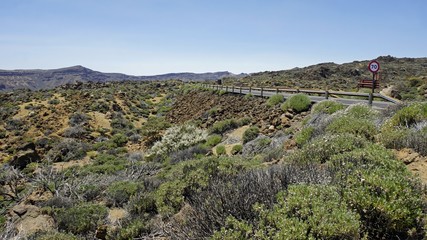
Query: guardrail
x=325, y=93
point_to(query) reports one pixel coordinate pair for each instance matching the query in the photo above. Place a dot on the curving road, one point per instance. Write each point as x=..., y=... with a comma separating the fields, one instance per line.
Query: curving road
x=345, y=101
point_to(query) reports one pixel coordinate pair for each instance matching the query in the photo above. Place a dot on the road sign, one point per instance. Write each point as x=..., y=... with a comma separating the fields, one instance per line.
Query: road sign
x=373, y=66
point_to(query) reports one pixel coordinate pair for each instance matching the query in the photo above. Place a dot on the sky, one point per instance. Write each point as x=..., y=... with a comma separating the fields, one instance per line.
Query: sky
x=148, y=37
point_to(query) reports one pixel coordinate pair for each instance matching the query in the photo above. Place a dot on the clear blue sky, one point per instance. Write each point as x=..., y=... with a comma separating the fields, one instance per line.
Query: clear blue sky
x=145, y=37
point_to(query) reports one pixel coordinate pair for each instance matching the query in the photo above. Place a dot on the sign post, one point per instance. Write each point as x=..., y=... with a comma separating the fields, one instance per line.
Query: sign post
x=373, y=67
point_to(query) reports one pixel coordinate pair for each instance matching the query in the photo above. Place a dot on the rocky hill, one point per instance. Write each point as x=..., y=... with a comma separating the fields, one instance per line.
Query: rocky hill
x=46, y=79
x=406, y=77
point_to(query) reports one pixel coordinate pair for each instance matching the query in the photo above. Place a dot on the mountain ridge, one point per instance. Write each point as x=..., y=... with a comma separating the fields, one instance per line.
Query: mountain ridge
x=36, y=79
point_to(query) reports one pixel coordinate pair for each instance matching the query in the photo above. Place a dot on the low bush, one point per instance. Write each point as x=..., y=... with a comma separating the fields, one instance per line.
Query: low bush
x=68, y=149
x=356, y=126
x=327, y=107
x=298, y=103
x=141, y=203
x=321, y=149
x=220, y=150
x=75, y=132
x=186, y=178
x=77, y=119
x=275, y=100
x=223, y=126
x=178, y=138
x=302, y=212
x=408, y=116
x=361, y=111
x=105, y=164
x=381, y=190
x=120, y=192
x=213, y=140
x=187, y=154
x=303, y=136
x=119, y=139
x=237, y=149
x=250, y=134
x=81, y=219
x=210, y=207
x=132, y=230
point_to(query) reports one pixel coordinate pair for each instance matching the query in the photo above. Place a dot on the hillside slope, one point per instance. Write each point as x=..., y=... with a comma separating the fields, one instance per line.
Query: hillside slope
x=407, y=76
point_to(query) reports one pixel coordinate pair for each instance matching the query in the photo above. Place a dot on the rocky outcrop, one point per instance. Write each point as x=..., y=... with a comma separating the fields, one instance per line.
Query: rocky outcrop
x=26, y=154
x=28, y=219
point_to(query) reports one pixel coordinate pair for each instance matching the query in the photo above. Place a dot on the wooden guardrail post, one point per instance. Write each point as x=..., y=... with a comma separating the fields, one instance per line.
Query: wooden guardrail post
x=327, y=94
x=277, y=90
x=262, y=91
x=240, y=90
x=232, y=89
x=226, y=88
x=371, y=98
x=250, y=89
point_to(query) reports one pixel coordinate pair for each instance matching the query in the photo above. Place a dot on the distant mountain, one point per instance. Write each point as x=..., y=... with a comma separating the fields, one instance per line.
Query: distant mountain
x=42, y=79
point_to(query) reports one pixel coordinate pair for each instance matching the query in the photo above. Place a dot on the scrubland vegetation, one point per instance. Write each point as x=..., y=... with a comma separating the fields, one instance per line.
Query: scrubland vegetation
x=108, y=162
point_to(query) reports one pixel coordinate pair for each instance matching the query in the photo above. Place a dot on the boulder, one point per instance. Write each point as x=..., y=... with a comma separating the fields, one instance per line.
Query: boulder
x=391, y=91
x=23, y=158
x=28, y=220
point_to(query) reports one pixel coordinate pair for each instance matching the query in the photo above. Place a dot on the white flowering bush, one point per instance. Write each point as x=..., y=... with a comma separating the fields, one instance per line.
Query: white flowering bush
x=178, y=138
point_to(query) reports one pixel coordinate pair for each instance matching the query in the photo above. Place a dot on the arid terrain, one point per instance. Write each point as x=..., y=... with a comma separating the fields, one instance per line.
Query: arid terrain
x=172, y=160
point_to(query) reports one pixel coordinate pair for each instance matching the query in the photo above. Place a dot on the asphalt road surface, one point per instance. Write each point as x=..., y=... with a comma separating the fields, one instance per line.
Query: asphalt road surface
x=345, y=101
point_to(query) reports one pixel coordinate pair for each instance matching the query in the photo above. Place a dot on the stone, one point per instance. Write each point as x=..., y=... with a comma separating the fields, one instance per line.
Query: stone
x=407, y=155
x=23, y=158
x=38, y=196
x=20, y=210
x=289, y=115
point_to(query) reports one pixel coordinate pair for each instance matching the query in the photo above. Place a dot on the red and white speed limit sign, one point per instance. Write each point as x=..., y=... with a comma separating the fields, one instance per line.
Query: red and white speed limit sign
x=374, y=66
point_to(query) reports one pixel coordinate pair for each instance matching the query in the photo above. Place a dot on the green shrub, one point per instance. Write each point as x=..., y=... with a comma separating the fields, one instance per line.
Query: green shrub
x=223, y=126
x=303, y=212
x=236, y=149
x=105, y=164
x=220, y=150
x=248, y=96
x=327, y=106
x=119, y=193
x=381, y=190
x=321, y=149
x=408, y=116
x=190, y=176
x=119, y=139
x=356, y=126
x=297, y=103
x=303, y=136
x=141, y=204
x=243, y=121
x=362, y=111
x=250, y=134
x=81, y=219
x=213, y=140
x=275, y=99
x=133, y=230
x=394, y=138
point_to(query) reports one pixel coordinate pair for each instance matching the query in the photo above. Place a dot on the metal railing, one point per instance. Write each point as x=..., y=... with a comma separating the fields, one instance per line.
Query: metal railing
x=261, y=91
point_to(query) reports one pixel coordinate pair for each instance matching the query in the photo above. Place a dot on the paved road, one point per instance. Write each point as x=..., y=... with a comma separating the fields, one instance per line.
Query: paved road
x=345, y=101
